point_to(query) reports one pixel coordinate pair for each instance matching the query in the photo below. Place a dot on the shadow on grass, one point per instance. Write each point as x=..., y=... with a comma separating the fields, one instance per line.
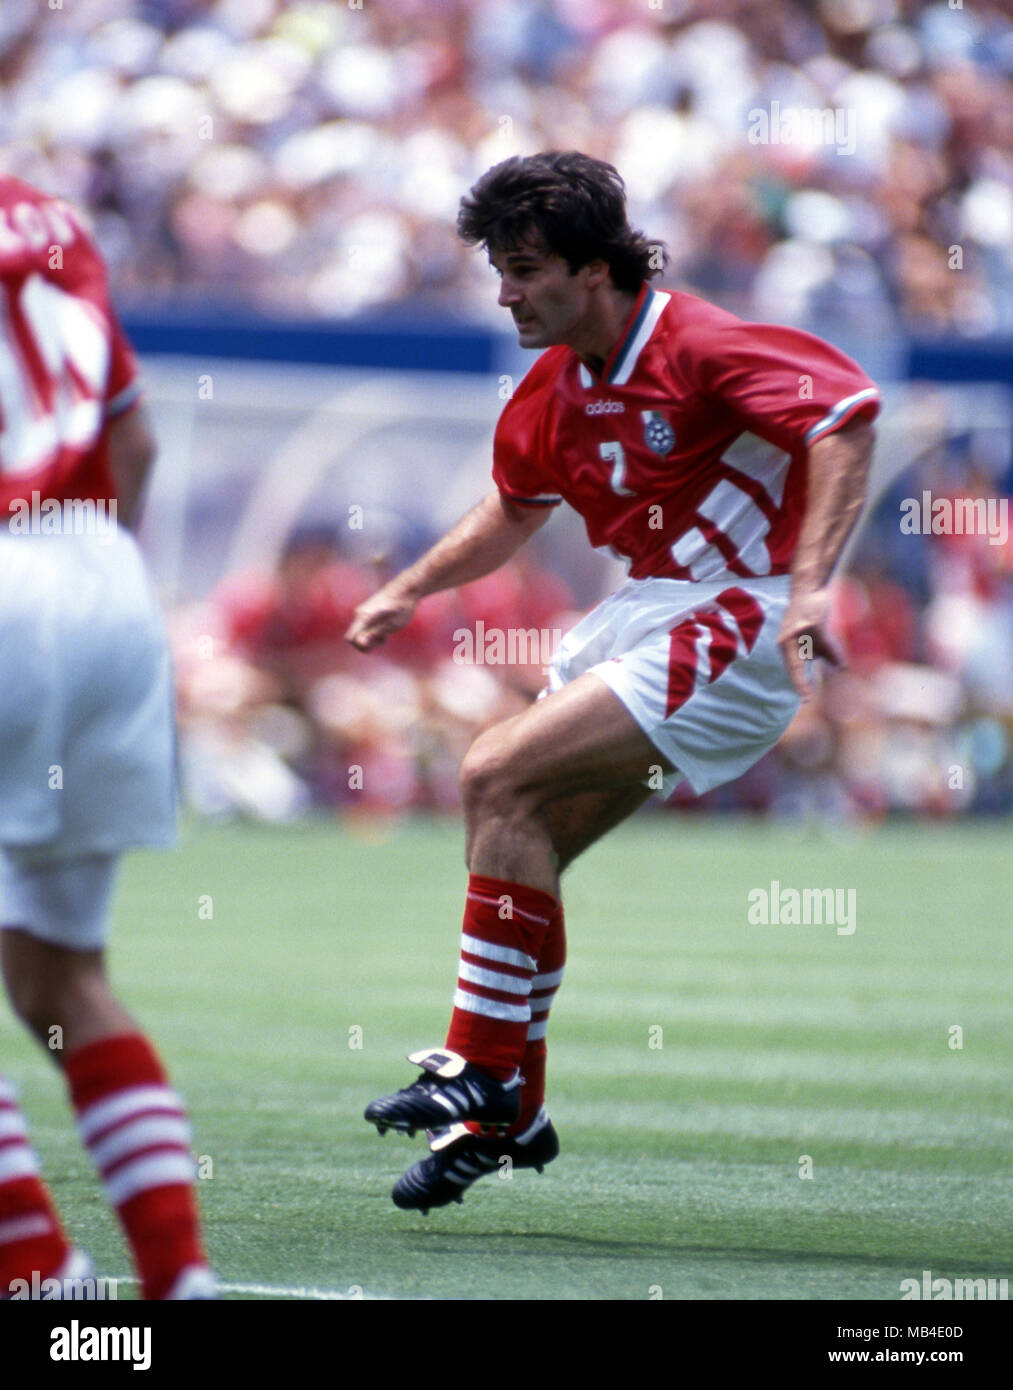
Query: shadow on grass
x=593, y=1248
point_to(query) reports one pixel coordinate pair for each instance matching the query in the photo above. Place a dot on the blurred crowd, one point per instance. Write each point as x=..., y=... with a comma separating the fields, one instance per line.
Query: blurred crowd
x=826, y=162
x=280, y=716
x=307, y=156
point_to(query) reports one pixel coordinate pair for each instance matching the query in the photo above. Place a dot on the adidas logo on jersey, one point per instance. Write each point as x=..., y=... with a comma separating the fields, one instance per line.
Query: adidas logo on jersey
x=605, y=408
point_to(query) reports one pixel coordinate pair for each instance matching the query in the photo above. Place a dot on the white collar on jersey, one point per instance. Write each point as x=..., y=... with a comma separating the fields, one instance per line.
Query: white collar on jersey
x=637, y=335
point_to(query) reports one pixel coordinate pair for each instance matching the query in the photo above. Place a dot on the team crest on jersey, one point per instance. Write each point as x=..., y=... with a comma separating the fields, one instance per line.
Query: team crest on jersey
x=658, y=433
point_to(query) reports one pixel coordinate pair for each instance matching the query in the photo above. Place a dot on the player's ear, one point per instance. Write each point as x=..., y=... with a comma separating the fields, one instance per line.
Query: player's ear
x=596, y=273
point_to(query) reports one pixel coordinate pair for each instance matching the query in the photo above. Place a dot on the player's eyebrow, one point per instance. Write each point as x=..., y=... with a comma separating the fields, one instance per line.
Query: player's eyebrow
x=515, y=259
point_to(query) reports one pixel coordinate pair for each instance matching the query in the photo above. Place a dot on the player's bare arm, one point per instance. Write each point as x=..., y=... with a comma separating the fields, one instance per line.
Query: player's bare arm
x=481, y=542
x=131, y=455
x=838, y=472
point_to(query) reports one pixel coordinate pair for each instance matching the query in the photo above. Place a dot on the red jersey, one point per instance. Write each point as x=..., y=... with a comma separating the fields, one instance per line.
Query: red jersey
x=65, y=365
x=641, y=451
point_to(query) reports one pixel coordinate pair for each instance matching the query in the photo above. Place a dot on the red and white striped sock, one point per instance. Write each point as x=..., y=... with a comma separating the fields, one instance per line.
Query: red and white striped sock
x=31, y=1237
x=136, y=1130
x=544, y=985
x=504, y=927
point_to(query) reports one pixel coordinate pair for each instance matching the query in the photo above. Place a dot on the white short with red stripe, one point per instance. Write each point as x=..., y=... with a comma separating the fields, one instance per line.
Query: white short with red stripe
x=696, y=665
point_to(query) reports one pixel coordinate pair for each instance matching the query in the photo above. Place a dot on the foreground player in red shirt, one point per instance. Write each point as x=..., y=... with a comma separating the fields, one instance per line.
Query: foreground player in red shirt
x=86, y=755
x=692, y=670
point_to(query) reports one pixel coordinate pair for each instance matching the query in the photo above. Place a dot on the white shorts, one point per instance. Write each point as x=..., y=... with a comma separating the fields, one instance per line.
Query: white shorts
x=86, y=722
x=65, y=903
x=696, y=665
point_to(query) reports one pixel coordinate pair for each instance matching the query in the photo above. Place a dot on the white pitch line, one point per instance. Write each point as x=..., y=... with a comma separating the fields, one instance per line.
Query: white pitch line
x=278, y=1291
x=330, y=1295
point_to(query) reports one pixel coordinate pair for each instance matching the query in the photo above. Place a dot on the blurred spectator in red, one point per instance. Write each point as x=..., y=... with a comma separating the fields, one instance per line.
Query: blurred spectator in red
x=290, y=624
x=875, y=619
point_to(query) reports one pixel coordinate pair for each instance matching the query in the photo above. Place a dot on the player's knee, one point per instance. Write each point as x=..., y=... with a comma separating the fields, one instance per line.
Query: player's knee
x=486, y=779
x=477, y=775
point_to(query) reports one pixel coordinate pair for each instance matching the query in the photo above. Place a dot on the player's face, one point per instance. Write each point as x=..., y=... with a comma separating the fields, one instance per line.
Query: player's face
x=549, y=304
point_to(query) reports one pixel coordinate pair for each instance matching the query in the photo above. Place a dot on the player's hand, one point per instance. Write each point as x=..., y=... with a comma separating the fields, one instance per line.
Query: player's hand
x=804, y=636
x=385, y=612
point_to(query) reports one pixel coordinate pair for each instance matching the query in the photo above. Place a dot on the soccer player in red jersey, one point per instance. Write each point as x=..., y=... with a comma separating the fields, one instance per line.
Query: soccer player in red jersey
x=692, y=670
x=86, y=755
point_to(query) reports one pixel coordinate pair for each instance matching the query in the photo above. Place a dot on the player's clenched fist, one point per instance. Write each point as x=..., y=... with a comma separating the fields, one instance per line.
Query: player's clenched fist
x=387, y=611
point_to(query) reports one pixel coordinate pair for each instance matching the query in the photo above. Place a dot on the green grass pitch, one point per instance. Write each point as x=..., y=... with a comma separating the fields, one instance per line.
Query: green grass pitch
x=255, y=956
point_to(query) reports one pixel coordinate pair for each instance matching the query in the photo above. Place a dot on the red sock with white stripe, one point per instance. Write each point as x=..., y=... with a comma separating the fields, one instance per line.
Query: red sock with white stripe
x=31, y=1237
x=502, y=936
x=546, y=982
x=136, y=1130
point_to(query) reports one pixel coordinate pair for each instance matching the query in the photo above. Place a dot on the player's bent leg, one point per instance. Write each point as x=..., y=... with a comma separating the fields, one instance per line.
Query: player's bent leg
x=460, y=1154
x=576, y=822
x=579, y=739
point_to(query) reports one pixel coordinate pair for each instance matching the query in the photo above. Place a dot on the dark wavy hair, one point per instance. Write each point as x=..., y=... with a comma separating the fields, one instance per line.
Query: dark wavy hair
x=572, y=204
